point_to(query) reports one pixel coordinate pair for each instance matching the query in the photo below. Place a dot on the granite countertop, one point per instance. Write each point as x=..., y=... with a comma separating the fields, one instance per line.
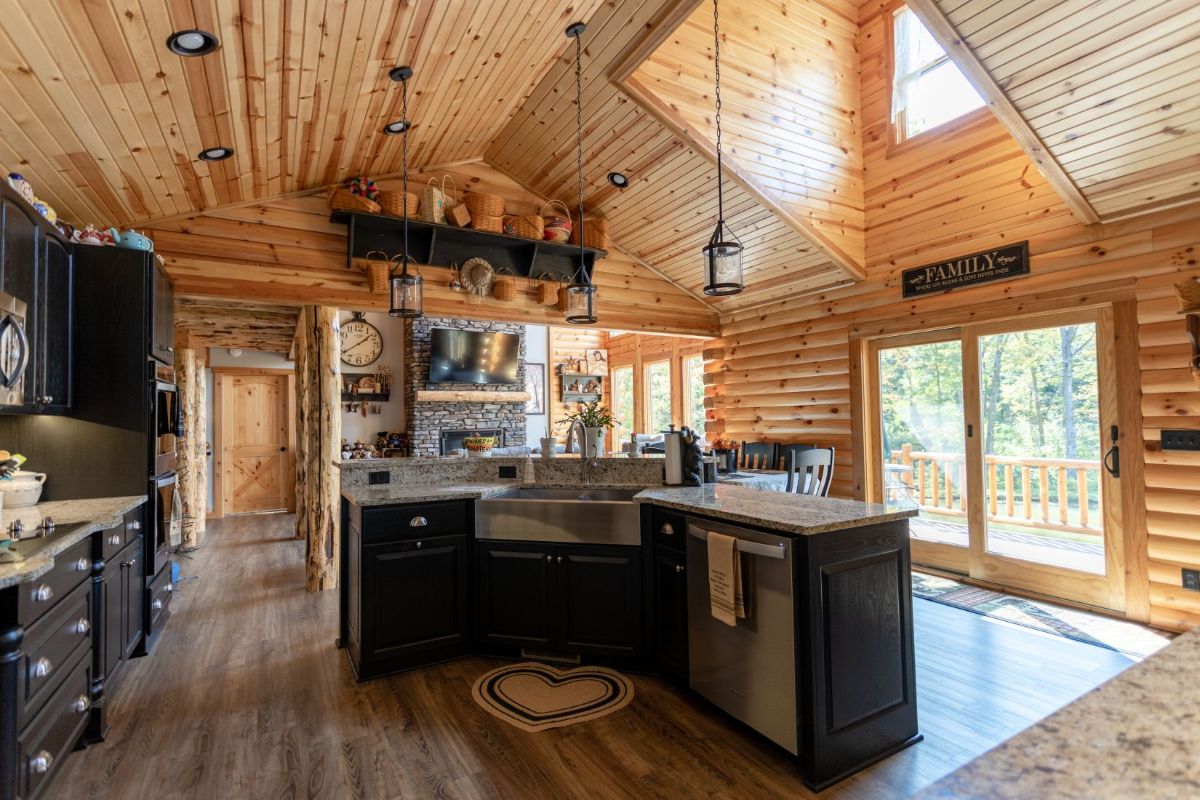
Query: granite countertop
x=1136, y=736
x=377, y=463
x=422, y=492
x=797, y=514
x=98, y=513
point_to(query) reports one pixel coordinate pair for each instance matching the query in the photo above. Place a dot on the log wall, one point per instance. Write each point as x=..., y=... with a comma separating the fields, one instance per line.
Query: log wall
x=569, y=342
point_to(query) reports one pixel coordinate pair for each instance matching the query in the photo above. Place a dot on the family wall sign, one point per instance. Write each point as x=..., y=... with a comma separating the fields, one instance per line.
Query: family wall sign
x=983, y=267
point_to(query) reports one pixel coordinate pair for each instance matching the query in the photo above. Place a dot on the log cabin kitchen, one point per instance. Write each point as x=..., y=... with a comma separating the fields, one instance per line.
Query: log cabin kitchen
x=642, y=398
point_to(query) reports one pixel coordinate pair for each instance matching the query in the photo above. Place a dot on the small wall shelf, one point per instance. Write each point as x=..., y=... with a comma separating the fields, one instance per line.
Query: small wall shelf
x=568, y=396
x=446, y=245
x=468, y=396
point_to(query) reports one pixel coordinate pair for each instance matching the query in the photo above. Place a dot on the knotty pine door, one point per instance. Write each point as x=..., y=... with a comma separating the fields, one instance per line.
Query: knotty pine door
x=255, y=433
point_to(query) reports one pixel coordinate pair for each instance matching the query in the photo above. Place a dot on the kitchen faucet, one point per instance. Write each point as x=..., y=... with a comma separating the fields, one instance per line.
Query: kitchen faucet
x=588, y=464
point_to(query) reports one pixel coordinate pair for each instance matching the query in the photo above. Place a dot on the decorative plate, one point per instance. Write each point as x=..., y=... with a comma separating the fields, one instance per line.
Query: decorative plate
x=478, y=276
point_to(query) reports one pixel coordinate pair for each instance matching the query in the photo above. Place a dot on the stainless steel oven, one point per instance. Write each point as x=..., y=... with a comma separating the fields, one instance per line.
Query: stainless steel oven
x=14, y=351
x=168, y=420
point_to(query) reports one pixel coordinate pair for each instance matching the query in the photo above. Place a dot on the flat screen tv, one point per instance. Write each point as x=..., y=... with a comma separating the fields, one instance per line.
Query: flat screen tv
x=473, y=357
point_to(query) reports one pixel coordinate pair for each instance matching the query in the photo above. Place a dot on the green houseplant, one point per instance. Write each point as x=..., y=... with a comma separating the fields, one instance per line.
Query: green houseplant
x=596, y=420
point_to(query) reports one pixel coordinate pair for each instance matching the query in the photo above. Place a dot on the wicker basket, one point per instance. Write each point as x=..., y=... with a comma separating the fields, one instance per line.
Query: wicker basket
x=1189, y=296
x=482, y=222
x=547, y=291
x=379, y=269
x=527, y=226
x=505, y=288
x=484, y=205
x=556, y=227
x=394, y=202
x=563, y=298
x=345, y=200
x=595, y=233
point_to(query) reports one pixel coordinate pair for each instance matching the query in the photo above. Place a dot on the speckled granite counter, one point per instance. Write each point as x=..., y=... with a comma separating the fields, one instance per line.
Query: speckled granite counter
x=98, y=513
x=421, y=492
x=1137, y=736
x=790, y=513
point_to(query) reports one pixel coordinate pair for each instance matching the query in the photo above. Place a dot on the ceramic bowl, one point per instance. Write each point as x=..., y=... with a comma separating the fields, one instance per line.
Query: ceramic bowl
x=22, y=489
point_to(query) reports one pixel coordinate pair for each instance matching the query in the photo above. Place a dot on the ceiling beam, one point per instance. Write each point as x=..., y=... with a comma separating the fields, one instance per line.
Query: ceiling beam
x=947, y=36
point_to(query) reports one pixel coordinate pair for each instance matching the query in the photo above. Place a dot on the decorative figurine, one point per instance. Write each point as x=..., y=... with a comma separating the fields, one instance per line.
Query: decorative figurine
x=693, y=458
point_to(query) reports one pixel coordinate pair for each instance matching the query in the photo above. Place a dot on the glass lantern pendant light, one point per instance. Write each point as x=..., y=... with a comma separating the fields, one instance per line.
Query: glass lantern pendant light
x=406, y=287
x=723, y=253
x=581, y=294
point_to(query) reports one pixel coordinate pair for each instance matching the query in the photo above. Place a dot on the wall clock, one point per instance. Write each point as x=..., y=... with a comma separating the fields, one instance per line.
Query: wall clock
x=361, y=342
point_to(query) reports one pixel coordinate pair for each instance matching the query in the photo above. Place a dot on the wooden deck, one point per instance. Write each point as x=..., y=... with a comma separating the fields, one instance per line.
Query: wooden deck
x=247, y=697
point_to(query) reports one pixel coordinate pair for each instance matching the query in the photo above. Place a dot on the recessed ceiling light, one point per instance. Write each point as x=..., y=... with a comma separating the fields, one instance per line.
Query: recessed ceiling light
x=192, y=42
x=399, y=126
x=215, y=154
x=618, y=179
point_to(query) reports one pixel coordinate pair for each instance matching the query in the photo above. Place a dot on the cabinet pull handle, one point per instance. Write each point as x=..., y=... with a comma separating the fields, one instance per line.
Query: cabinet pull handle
x=418, y=522
x=558, y=560
x=156, y=605
x=135, y=526
x=81, y=565
x=129, y=563
x=667, y=529
x=40, y=764
x=42, y=667
x=420, y=545
x=549, y=559
x=81, y=704
x=115, y=539
x=82, y=626
x=43, y=593
x=678, y=568
x=170, y=587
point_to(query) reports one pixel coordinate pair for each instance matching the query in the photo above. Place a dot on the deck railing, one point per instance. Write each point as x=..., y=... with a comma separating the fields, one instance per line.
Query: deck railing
x=1046, y=493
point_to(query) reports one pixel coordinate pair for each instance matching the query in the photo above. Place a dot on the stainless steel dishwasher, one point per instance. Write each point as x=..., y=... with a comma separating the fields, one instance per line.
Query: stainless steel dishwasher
x=748, y=670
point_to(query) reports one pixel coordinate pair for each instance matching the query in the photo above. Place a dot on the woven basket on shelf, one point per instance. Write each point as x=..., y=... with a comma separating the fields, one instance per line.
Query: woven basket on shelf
x=547, y=290
x=527, y=226
x=483, y=222
x=379, y=269
x=556, y=227
x=595, y=233
x=393, y=203
x=484, y=205
x=563, y=301
x=345, y=200
x=505, y=287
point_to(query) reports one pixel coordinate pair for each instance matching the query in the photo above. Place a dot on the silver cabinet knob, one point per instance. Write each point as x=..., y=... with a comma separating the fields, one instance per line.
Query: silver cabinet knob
x=420, y=545
x=418, y=522
x=667, y=529
x=42, y=667
x=40, y=763
x=679, y=568
x=81, y=565
x=43, y=593
x=156, y=605
x=549, y=559
x=170, y=587
x=81, y=704
x=129, y=563
x=82, y=626
x=135, y=526
x=115, y=539
x=558, y=560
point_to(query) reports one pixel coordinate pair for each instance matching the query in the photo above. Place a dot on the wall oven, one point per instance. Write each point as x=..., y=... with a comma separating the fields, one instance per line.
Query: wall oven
x=168, y=420
x=168, y=519
x=14, y=351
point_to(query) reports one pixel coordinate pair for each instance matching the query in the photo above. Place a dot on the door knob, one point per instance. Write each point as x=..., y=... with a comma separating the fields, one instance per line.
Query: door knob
x=283, y=449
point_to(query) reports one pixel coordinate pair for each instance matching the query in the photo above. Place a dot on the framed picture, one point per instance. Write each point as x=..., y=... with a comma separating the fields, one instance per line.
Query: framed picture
x=535, y=384
x=597, y=362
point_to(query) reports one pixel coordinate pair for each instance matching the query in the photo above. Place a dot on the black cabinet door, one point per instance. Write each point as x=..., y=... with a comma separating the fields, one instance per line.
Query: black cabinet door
x=53, y=392
x=133, y=604
x=670, y=610
x=419, y=597
x=163, y=347
x=515, y=593
x=598, y=599
x=112, y=617
x=20, y=244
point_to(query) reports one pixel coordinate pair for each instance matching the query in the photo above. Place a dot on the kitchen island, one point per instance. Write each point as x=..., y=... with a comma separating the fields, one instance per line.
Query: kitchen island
x=484, y=561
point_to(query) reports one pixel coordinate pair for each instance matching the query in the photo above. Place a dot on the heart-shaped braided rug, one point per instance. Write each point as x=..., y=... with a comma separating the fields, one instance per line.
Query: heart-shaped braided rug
x=535, y=697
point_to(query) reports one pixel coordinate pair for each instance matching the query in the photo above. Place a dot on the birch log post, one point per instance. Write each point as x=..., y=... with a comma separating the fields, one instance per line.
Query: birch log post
x=304, y=377
x=200, y=443
x=324, y=478
x=186, y=466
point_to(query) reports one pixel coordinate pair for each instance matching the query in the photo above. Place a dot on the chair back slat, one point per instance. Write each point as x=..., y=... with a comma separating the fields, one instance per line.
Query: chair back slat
x=786, y=450
x=810, y=471
x=759, y=455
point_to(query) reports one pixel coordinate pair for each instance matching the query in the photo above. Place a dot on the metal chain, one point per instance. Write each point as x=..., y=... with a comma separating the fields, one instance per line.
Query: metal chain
x=717, y=75
x=404, y=169
x=579, y=140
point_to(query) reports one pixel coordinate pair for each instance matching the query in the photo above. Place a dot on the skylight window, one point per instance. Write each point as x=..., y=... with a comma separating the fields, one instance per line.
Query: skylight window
x=927, y=88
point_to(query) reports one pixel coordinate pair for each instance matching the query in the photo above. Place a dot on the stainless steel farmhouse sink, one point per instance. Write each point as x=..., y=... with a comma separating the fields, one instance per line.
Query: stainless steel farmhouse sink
x=583, y=516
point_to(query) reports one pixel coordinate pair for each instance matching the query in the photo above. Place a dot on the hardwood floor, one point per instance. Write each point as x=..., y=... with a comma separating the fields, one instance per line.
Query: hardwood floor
x=246, y=696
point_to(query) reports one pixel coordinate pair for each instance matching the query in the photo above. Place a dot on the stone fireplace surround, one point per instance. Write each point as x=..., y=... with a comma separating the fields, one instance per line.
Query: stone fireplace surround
x=425, y=421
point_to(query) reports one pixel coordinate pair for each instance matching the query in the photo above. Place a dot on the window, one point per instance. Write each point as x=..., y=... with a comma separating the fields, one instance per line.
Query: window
x=622, y=393
x=693, y=393
x=927, y=88
x=657, y=387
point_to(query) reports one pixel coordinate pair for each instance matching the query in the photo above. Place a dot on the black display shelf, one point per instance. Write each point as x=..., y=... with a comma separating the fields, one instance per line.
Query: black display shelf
x=446, y=245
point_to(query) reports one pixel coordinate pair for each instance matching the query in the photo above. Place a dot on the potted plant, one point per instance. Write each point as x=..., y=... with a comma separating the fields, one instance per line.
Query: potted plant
x=596, y=420
x=727, y=454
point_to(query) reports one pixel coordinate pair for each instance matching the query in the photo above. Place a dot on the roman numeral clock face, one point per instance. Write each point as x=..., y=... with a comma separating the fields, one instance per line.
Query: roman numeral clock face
x=361, y=343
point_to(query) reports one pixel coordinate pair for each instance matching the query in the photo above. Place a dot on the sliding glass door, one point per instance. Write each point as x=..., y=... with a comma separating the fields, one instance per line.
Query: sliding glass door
x=1001, y=435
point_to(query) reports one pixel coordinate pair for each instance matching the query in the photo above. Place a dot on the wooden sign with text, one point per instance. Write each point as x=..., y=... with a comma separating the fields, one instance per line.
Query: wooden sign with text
x=990, y=265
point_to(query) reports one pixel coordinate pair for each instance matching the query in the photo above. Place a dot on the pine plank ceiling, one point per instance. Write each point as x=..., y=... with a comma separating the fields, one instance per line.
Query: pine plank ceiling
x=1103, y=94
x=253, y=326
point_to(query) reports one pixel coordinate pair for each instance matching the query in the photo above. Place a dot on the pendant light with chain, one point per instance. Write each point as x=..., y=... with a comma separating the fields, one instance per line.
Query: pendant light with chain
x=723, y=253
x=406, y=287
x=581, y=294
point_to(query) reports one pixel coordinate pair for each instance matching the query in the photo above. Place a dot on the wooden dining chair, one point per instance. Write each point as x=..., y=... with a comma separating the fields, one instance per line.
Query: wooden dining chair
x=810, y=471
x=786, y=450
x=759, y=455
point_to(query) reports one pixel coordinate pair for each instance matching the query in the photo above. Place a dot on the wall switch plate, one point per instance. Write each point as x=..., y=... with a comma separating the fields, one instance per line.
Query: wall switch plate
x=508, y=472
x=378, y=477
x=1181, y=440
x=1191, y=579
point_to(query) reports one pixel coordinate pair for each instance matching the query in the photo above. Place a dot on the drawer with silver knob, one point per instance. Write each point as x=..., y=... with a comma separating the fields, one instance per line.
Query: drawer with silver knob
x=418, y=521
x=161, y=591
x=52, y=643
x=112, y=540
x=47, y=740
x=71, y=567
x=668, y=528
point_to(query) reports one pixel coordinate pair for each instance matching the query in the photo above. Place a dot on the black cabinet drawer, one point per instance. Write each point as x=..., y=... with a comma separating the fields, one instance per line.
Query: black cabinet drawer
x=112, y=540
x=51, y=643
x=397, y=523
x=71, y=568
x=668, y=527
x=50, y=737
x=161, y=592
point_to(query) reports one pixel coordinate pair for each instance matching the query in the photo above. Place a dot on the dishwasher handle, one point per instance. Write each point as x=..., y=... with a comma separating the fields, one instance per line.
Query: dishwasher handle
x=778, y=551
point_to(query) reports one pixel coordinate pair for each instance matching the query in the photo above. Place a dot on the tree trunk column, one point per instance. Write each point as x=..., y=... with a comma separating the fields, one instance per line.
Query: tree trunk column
x=186, y=465
x=323, y=434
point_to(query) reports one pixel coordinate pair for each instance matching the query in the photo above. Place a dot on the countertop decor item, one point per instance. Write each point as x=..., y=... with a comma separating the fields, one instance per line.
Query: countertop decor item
x=723, y=253
x=581, y=294
x=478, y=276
x=407, y=288
x=479, y=445
x=22, y=488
